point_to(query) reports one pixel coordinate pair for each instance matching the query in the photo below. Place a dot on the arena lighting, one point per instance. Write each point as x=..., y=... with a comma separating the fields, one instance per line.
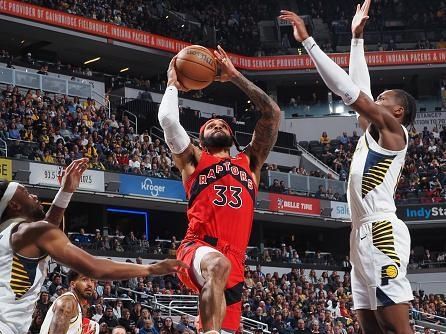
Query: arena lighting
x=91, y=60
x=339, y=109
x=124, y=69
x=142, y=213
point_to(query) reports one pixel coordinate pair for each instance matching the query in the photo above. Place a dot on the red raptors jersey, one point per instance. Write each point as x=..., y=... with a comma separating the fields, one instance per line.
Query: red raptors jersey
x=221, y=194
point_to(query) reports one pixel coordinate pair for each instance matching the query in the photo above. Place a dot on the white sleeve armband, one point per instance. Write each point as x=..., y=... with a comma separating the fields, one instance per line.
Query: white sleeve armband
x=169, y=117
x=336, y=79
x=358, y=69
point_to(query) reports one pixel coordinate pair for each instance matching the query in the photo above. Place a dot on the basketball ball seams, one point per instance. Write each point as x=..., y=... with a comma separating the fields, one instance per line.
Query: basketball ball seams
x=196, y=67
x=193, y=79
x=188, y=75
x=198, y=63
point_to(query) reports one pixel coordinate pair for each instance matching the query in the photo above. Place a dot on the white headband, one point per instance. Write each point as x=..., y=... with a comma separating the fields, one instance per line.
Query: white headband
x=7, y=196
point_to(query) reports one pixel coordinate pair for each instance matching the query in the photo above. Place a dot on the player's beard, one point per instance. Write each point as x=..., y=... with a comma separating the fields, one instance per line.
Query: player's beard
x=38, y=213
x=218, y=141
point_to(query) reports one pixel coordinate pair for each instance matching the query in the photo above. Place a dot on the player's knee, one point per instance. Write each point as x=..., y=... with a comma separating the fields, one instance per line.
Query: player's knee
x=219, y=267
x=401, y=331
x=392, y=329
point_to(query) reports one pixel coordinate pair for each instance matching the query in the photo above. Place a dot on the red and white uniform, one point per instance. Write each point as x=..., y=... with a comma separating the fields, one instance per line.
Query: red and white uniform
x=221, y=195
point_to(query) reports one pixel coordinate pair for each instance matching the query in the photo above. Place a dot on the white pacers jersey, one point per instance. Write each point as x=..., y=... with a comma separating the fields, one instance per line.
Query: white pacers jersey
x=75, y=323
x=374, y=176
x=21, y=279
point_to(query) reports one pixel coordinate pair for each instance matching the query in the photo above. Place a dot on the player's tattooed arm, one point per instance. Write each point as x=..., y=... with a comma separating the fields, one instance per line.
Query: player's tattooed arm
x=267, y=127
x=64, y=310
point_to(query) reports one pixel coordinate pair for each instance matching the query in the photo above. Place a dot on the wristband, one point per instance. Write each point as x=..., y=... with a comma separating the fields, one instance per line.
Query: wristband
x=309, y=43
x=357, y=41
x=62, y=199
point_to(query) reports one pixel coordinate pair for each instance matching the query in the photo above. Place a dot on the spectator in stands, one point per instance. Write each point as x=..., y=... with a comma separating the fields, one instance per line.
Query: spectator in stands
x=320, y=193
x=148, y=328
x=36, y=323
x=43, y=304
x=344, y=139
x=168, y=327
x=184, y=326
x=276, y=187
x=43, y=69
x=119, y=330
x=125, y=320
x=109, y=318
x=55, y=282
x=99, y=309
x=324, y=138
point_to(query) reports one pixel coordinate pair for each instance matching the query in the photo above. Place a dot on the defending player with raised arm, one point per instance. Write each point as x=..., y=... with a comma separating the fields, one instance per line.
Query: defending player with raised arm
x=358, y=70
x=221, y=191
x=379, y=241
x=392, y=109
x=68, y=187
x=65, y=314
x=26, y=240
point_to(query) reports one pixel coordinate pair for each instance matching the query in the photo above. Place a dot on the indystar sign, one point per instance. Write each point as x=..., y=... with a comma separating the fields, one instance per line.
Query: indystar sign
x=422, y=212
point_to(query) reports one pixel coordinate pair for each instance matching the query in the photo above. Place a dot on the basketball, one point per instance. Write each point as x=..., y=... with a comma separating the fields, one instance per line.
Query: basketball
x=196, y=67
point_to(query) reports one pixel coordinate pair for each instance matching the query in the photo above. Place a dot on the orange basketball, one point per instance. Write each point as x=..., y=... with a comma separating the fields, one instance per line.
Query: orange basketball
x=196, y=67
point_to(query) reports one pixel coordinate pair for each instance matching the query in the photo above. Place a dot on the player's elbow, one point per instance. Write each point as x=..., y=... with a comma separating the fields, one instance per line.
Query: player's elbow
x=277, y=112
x=98, y=272
x=166, y=120
x=272, y=114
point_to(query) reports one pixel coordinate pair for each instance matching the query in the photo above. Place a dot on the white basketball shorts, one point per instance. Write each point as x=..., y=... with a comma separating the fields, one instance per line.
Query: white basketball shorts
x=379, y=254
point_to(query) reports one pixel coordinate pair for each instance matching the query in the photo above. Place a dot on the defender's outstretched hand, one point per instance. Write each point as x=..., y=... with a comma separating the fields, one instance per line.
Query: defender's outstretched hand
x=360, y=19
x=299, y=30
x=167, y=267
x=227, y=69
x=72, y=175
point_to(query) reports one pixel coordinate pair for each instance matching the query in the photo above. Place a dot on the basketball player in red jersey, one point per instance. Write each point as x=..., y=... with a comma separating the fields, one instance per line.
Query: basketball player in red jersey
x=221, y=190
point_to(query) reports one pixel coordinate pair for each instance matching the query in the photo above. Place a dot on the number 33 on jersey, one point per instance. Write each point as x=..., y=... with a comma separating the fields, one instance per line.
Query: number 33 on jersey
x=221, y=195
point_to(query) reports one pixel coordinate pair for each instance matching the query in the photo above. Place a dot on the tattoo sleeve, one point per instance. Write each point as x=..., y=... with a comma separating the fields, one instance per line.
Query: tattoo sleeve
x=267, y=127
x=63, y=313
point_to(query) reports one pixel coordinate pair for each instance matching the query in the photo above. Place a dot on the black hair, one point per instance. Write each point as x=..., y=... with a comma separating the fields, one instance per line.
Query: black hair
x=72, y=275
x=409, y=104
x=3, y=186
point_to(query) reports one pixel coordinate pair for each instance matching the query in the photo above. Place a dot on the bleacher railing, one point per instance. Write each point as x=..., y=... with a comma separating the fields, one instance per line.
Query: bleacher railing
x=45, y=83
x=185, y=303
x=302, y=184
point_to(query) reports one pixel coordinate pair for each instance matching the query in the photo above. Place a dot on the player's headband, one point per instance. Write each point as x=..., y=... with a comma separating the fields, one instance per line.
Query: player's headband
x=212, y=119
x=7, y=196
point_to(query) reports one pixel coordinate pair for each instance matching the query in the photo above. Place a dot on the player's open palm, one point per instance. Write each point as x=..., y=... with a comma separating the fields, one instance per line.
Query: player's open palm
x=299, y=30
x=72, y=175
x=227, y=68
x=360, y=19
x=166, y=267
x=172, y=79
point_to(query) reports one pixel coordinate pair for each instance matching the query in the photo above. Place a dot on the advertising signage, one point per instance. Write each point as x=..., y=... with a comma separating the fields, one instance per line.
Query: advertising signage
x=119, y=33
x=422, y=212
x=294, y=204
x=151, y=187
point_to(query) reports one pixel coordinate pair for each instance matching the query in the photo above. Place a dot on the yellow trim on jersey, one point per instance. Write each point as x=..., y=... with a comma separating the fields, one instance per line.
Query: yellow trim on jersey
x=375, y=176
x=20, y=281
x=382, y=233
